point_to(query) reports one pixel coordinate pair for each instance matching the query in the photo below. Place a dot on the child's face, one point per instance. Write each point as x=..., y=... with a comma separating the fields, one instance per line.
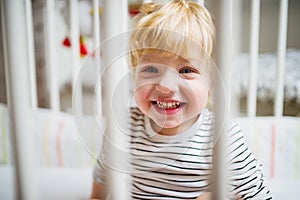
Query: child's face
x=171, y=91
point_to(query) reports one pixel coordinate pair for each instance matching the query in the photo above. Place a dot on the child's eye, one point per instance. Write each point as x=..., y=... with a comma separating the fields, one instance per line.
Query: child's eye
x=150, y=69
x=187, y=70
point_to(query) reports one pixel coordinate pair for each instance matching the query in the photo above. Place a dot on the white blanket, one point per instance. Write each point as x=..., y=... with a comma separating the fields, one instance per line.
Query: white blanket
x=52, y=183
x=266, y=75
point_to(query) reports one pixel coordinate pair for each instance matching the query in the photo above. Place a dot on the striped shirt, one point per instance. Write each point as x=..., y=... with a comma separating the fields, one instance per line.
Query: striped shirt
x=180, y=166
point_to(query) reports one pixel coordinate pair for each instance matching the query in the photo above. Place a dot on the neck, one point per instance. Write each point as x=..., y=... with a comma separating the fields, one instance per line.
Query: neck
x=174, y=130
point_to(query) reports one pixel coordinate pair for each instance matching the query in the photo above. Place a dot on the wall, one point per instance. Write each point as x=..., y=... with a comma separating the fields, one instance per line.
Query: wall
x=269, y=25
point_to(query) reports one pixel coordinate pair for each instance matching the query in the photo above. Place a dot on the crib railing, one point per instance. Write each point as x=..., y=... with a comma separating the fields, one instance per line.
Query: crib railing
x=17, y=66
x=281, y=51
x=254, y=50
x=22, y=92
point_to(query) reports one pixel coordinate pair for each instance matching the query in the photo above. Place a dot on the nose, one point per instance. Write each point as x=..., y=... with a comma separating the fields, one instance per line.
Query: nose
x=168, y=82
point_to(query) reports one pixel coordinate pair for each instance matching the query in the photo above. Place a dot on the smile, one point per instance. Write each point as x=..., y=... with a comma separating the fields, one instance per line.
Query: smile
x=167, y=105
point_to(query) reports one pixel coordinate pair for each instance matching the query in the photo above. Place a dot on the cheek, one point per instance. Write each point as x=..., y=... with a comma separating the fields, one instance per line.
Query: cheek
x=141, y=95
x=199, y=94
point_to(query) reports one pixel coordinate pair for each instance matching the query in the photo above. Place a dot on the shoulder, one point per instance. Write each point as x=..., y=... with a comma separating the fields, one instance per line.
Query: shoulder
x=137, y=118
x=231, y=129
x=135, y=112
x=236, y=144
x=233, y=136
x=228, y=127
x=245, y=171
x=234, y=133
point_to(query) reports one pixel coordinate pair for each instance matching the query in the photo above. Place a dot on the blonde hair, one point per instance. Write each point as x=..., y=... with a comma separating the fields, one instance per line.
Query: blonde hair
x=172, y=27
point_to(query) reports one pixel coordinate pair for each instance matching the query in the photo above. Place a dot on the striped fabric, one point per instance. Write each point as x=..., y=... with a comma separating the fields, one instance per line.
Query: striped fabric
x=179, y=167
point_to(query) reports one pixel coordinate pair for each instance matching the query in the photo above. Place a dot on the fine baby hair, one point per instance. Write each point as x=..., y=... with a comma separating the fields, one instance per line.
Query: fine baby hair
x=174, y=27
x=180, y=27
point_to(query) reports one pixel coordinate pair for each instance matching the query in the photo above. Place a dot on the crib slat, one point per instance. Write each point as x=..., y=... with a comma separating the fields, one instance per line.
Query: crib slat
x=31, y=56
x=96, y=33
x=236, y=38
x=19, y=99
x=115, y=17
x=281, y=49
x=254, y=41
x=222, y=10
x=5, y=51
x=74, y=35
x=51, y=57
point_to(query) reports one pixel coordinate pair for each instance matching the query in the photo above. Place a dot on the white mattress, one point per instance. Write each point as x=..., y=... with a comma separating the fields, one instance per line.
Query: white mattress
x=66, y=172
x=53, y=183
x=76, y=184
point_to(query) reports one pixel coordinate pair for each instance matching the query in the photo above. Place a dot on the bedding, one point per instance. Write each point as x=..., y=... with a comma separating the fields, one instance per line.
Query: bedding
x=66, y=150
x=276, y=144
x=64, y=155
x=266, y=75
x=76, y=184
x=60, y=139
x=52, y=183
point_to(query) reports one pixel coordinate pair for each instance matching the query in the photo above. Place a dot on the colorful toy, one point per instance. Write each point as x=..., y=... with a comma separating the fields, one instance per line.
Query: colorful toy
x=85, y=12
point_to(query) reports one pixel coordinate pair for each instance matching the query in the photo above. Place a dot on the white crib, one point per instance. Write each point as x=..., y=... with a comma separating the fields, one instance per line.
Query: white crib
x=50, y=152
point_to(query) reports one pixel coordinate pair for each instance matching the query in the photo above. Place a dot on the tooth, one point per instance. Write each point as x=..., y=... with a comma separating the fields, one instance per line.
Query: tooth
x=167, y=105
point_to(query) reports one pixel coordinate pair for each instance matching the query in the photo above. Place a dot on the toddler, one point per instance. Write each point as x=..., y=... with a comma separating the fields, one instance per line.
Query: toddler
x=171, y=130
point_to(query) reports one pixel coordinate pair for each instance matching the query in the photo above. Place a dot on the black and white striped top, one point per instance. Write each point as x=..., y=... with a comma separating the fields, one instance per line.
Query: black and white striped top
x=179, y=167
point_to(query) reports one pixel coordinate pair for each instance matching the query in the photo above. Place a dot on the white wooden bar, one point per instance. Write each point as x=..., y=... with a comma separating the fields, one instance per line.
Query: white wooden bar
x=115, y=16
x=4, y=43
x=281, y=49
x=96, y=34
x=77, y=98
x=19, y=105
x=51, y=57
x=254, y=47
x=31, y=56
x=222, y=10
x=236, y=34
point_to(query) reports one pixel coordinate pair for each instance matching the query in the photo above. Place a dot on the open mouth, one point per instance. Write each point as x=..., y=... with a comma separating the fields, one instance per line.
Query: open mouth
x=168, y=105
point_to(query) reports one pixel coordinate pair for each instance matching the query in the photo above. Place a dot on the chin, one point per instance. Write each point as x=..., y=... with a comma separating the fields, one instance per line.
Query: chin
x=166, y=124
